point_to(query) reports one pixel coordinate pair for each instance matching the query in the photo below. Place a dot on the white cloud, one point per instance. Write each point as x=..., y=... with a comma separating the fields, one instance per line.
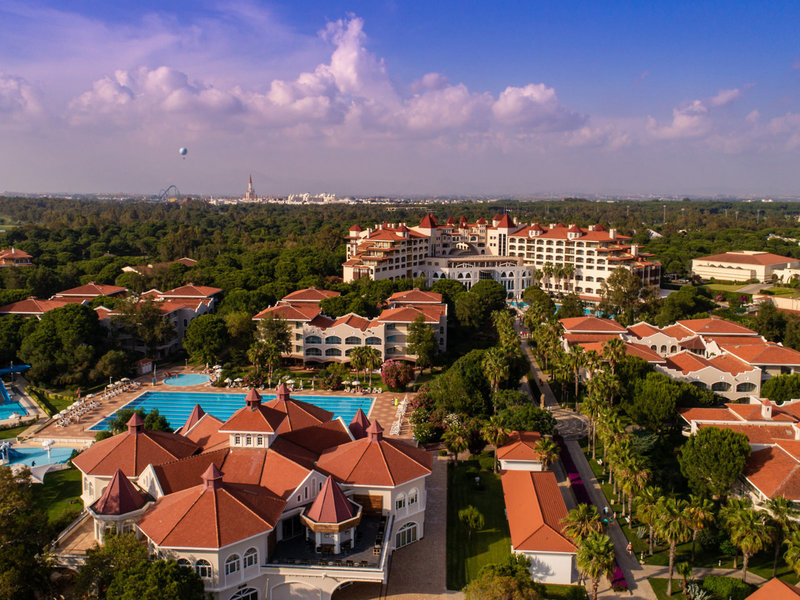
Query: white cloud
x=723, y=97
x=20, y=105
x=689, y=121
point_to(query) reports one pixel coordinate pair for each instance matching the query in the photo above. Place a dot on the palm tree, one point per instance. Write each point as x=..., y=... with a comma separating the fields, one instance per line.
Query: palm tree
x=700, y=512
x=569, y=271
x=749, y=535
x=580, y=522
x=495, y=367
x=636, y=477
x=792, y=556
x=685, y=571
x=495, y=434
x=456, y=440
x=782, y=513
x=648, y=511
x=596, y=558
x=372, y=360
x=729, y=514
x=614, y=353
x=358, y=359
x=672, y=527
x=575, y=361
x=548, y=451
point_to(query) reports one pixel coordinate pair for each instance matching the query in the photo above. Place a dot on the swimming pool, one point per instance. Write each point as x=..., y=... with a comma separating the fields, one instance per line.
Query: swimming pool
x=184, y=379
x=177, y=406
x=38, y=456
x=8, y=408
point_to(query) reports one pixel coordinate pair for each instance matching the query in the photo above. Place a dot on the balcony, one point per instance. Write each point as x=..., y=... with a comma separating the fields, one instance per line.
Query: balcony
x=366, y=560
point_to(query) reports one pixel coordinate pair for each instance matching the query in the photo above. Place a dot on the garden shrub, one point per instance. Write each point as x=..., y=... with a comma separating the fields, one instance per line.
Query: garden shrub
x=727, y=588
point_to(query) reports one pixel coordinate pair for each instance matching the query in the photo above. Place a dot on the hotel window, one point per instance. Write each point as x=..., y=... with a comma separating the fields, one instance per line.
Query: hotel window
x=413, y=496
x=182, y=562
x=248, y=440
x=260, y=440
x=232, y=564
x=400, y=503
x=237, y=440
x=203, y=569
x=250, y=557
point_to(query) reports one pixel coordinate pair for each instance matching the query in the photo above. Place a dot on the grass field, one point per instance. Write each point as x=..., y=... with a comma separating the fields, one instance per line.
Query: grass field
x=465, y=556
x=59, y=495
x=660, y=588
x=723, y=287
x=13, y=432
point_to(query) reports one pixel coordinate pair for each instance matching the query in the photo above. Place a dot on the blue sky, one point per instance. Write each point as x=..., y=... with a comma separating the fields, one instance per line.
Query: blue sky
x=400, y=97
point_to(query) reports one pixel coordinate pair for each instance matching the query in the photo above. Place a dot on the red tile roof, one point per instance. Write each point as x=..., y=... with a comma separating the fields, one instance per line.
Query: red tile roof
x=205, y=433
x=631, y=349
x=382, y=462
x=291, y=312
x=196, y=414
x=351, y=320
x=315, y=440
x=428, y=222
x=254, y=417
x=521, y=445
x=211, y=515
x=13, y=253
x=762, y=258
x=764, y=354
x=407, y=314
x=120, y=497
x=132, y=452
x=758, y=434
x=358, y=426
x=643, y=330
x=535, y=508
x=32, y=306
x=415, y=296
x=92, y=290
x=311, y=294
x=730, y=364
x=775, y=589
x=715, y=326
x=505, y=222
x=331, y=505
x=686, y=362
x=591, y=325
x=774, y=472
x=588, y=338
x=299, y=414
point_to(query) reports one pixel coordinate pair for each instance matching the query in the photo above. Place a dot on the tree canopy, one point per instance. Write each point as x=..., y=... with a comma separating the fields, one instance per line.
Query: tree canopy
x=781, y=388
x=712, y=459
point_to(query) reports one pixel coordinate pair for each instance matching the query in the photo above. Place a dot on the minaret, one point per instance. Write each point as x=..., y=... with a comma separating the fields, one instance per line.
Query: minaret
x=250, y=194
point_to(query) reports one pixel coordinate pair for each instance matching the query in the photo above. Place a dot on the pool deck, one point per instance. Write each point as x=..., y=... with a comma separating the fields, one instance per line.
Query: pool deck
x=383, y=408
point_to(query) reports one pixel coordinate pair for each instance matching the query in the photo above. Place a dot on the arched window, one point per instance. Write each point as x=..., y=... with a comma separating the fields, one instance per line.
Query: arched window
x=663, y=349
x=313, y=352
x=232, y=564
x=400, y=502
x=720, y=386
x=352, y=340
x=746, y=387
x=673, y=349
x=406, y=535
x=333, y=352
x=246, y=594
x=413, y=497
x=313, y=339
x=373, y=341
x=333, y=339
x=250, y=557
x=183, y=562
x=203, y=568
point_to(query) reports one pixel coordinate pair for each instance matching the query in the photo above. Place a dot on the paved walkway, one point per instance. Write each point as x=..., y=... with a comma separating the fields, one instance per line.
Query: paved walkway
x=418, y=571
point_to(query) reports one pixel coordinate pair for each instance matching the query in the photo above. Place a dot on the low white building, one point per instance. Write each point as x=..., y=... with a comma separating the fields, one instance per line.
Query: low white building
x=742, y=265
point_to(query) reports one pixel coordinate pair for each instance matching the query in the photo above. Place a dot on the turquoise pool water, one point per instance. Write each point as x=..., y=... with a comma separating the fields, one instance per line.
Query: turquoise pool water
x=29, y=456
x=7, y=408
x=185, y=379
x=177, y=406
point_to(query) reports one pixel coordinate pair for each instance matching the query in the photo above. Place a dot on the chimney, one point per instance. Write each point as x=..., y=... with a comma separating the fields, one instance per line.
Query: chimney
x=253, y=399
x=766, y=409
x=375, y=432
x=212, y=477
x=282, y=393
x=135, y=424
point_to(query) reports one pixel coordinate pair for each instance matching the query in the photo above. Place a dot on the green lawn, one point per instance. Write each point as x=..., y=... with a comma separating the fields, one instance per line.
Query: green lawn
x=59, y=495
x=559, y=592
x=724, y=287
x=13, y=432
x=782, y=291
x=660, y=588
x=492, y=544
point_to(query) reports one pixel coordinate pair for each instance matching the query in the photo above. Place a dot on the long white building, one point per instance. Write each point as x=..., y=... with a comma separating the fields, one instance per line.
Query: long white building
x=560, y=258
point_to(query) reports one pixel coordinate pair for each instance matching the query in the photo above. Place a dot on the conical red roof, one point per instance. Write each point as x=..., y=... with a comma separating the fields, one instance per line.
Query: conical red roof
x=356, y=227
x=481, y=221
x=375, y=431
x=358, y=426
x=428, y=222
x=331, y=505
x=135, y=423
x=120, y=497
x=197, y=414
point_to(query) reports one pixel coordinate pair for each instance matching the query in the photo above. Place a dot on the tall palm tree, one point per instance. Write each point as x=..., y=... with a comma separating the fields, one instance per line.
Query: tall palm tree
x=372, y=360
x=580, y=522
x=792, y=556
x=614, y=353
x=728, y=515
x=456, y=440
x=576, y=360
x=636, y=477
x=569, y=271
x=358, y=359
x=495, y=367
x=547, y=271
x=596, y=558
x=495, y=434
x=749, y=534
x=672, y=527
x=648, y=510
x=700, y=513
x=548, y=451
x=782, y=513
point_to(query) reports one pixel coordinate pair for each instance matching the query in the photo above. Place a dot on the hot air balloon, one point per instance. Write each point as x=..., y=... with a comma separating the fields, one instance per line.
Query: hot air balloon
x=183, y=152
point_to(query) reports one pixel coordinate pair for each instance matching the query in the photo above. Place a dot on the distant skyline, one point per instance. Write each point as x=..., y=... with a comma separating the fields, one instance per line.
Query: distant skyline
x=400, y=98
